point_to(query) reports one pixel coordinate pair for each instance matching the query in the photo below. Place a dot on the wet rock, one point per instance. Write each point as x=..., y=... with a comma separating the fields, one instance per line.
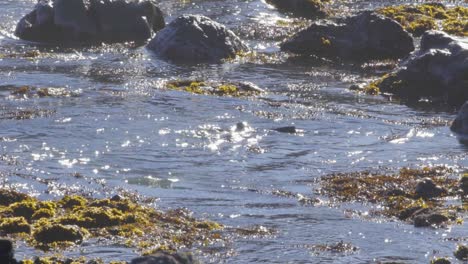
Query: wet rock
x=460, y=124
x=166, y=258
x=360, y=37
x=6, y=251
x=429, y=219
x=287, y=129
x=301, y=8
x=426, y=188
x=440, y=261
x=8, y=197
x=461, y=253
x=51, y=233
x=464, y=184
x=196, y=38
x=94, y=21
x=438, y=72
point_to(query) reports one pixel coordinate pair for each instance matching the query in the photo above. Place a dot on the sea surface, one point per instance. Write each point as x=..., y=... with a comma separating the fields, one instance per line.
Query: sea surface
x=113, y=126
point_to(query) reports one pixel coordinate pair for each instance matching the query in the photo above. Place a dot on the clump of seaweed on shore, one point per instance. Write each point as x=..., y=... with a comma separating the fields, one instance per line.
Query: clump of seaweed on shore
x=417, y=196
x=417, y=19
x=58, y=224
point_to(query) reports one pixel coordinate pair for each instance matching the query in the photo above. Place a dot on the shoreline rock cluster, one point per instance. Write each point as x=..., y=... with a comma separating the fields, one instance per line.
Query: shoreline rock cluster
x=59, y=224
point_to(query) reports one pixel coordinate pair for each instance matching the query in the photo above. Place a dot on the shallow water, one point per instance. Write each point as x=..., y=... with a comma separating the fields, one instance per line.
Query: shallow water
x=121, y=130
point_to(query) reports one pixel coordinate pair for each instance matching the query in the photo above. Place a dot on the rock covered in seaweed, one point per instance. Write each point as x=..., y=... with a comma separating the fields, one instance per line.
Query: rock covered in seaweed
x=73, y=219
x=90, y=21
x=196, y=38
x=301, y=8
x=360, y=37
x=234, y=89
x=398, y=194
x=438, y=72
x=419, y=18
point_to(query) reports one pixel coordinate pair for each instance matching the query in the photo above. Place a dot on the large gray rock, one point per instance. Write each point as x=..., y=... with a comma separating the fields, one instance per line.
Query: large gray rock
x=90, y=21
x=360, y=37
x=438, y=72
x=195, y=38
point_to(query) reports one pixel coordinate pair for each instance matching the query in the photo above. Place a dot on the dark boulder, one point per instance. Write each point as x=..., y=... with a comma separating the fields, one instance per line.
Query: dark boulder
x=90, y=21
x=426, y=188
x=166, y=258
x=438, y=72
x=301, y=8
x=461, y=253
x=195, y=38
x=360, y=37
x=460, y=126
x=6, y=251
x=429, y=219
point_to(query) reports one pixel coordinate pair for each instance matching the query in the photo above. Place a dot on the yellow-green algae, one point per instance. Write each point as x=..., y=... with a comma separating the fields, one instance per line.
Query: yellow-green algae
x=211, y=88
x=396, y=192
x=69, y=221
x=419, y=18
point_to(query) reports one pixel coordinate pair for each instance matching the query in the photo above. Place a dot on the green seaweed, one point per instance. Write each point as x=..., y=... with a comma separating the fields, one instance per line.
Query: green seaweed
x=417, y=19
x=395, y=192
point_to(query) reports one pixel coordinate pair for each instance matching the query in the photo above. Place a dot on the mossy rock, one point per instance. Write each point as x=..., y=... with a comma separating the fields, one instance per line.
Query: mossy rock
x=70, y=220
x=232, y=89
x=50, y=233
x=73, y=201
x=461, y=253
x=417, y=19
x=440, y=261
x=14, y=225
x=8, y=197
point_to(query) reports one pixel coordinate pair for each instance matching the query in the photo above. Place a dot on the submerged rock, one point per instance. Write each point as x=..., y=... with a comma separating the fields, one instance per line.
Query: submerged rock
x=287, y=129
x=196, y=38
x=301, y=8
x=360, y=37
x=166, y=258
x=437, y=72
x=93, y=21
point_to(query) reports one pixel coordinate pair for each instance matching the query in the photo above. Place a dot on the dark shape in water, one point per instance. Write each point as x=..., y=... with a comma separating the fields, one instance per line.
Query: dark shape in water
x=287, y=129
x=94, y=21
x=166, y=258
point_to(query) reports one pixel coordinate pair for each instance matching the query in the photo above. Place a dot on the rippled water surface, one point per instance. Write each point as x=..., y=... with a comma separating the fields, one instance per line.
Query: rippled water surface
x=119, y=128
